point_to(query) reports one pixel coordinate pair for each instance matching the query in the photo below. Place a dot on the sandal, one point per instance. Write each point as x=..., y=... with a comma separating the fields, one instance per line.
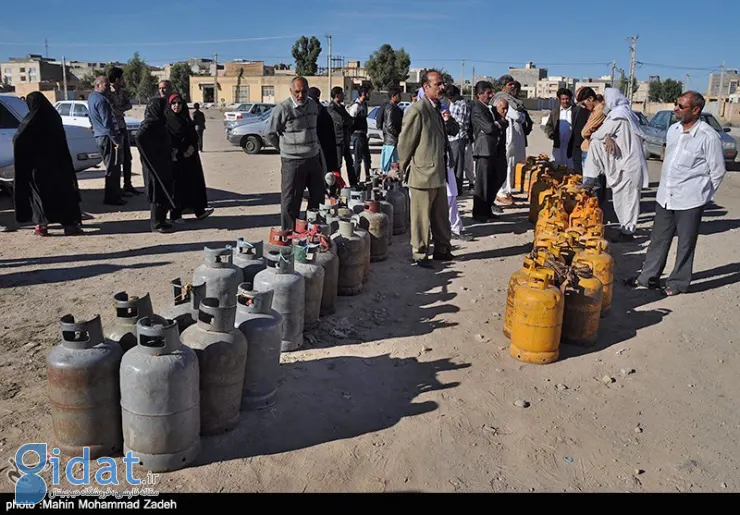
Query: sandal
x=669, y=292
x=41, y=231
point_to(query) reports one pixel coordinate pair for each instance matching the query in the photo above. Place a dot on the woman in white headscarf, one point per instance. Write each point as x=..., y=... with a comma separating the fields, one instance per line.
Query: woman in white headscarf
x=616, y=151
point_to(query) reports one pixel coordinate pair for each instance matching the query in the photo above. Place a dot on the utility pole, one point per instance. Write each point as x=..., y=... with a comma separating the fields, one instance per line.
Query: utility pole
x=215, y=80
x=633, y=51
x=721, y=87
x=686, y=84
x=46, y=45
x=328, y=36
x=614, y=69
x=462, y=75
x=472, y=84
x=64, y=77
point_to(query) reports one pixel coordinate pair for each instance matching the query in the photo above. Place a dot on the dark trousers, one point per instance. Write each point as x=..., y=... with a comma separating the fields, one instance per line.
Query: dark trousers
x=296, y=176
x=112, y=169
x=158, y=216
x=200, y=139
x=362, y=153
x=125, y=152
x=343, y=151
x=684, y=224
x=490, y=174
x=577, y=158
x=457, y=148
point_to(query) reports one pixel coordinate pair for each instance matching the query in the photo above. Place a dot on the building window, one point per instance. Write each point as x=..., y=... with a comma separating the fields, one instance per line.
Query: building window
x=23, y=70
x=268, y=91
x=241, y=94
x=8, y=71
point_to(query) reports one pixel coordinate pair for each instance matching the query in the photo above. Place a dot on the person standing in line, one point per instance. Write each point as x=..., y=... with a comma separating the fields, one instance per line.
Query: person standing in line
x=120, y=103
x=693, y=170
x=199, y=120
x=460, y=111
x=520, y=125
x=358, y=111
x=559, y=128
x=165, y=89
x=293, y=131
x=108, y=138
x=45, y=183
x=595, y=120
x=616, y=151
x=422, y=150
x=325, y=132
x=342, y=130
x=489, y=130
x=391, y=122
x=586, y=98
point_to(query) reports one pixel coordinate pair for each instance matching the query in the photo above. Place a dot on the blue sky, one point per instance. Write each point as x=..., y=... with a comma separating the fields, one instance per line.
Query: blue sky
x=490, y=35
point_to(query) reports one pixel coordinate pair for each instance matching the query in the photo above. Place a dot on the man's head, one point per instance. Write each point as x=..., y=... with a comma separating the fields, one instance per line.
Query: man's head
x=299, y=90
x=689, y=107
x=165, y=88
x=314, y=93
x=484, y=91
x=337, y=94
x=434, y=86
x=394, y=94
x=453, y=93
x=587, y=97
x=363, y=93
x=196, y=106
x=502, y=106
x=565, y=96
x=509, y=85
x=102, y=85
x=115, y=77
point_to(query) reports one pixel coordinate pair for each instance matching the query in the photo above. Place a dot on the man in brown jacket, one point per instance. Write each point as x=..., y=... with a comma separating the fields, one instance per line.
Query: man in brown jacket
x=422, y=151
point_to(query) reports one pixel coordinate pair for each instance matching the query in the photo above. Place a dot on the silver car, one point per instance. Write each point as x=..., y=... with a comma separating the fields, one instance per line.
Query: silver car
x=658, y=127
x=251, y=135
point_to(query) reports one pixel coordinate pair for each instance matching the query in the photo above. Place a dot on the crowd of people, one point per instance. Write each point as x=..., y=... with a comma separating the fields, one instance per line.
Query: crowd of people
x=46, y=190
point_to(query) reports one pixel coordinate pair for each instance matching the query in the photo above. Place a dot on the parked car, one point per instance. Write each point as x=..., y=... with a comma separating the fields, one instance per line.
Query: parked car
x=372, y=127
x=242, y=111
x=82, y=146
x=658, y=127
x=643, y=119
x=75, y=112
x=251, y=135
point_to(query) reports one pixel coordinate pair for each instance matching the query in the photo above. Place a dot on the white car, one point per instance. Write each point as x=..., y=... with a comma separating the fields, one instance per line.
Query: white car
x=81, y=143
x=242, y=111
x=75, y=112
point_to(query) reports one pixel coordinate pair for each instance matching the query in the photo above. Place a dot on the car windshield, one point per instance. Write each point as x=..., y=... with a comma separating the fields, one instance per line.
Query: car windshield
x=711, y=120
x=244, y=107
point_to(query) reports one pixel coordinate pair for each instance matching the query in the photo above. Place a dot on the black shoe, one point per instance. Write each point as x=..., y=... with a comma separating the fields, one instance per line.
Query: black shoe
x=635, y=284
x=131, y=190
x=205, y=214
x=623, y=238
x=443, y=256
x=464, y=236
x=117, y=202
x=163, y=228
x=125, y=193
x=424, y=263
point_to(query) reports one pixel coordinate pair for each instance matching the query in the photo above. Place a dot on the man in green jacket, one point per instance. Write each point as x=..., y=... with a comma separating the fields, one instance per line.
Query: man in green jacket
x=423, y=151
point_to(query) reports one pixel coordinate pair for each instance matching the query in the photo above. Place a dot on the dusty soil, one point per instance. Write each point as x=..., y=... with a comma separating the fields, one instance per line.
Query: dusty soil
x=416, y=390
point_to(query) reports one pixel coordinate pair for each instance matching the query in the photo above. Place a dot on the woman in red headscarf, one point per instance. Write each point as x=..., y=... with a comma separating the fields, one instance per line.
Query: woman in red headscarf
x=190, y=184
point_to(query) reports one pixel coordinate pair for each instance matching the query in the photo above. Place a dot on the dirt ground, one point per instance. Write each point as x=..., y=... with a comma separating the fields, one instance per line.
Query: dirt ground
x=409, y=386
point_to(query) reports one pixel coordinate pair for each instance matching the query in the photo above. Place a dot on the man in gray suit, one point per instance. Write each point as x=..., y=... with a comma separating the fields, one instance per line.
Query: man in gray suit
x=422, y=151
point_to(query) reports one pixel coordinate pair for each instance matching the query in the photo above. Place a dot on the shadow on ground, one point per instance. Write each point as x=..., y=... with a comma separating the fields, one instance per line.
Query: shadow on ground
x=331, y=399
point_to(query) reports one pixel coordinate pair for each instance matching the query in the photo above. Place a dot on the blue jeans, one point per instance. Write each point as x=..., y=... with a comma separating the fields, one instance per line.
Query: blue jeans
x=388, y=156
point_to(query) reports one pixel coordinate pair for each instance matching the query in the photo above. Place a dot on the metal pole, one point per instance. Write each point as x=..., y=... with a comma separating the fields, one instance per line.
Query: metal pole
x=329, y=63
x=64, y=77
x=633, y=51
x=721, y=87
x=686, y=84
x=614, y=69
x=472, y=84
x=215, y=81
x=462, y=76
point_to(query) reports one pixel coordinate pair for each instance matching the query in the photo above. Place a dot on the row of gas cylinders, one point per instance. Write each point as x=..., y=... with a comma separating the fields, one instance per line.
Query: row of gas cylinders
x=154, y=385
x=565, y=284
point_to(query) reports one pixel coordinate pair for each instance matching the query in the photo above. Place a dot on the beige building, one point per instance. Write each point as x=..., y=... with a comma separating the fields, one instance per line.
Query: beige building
x=245, y=81
x=598, y=85
x=528, y=77
x=548, y=88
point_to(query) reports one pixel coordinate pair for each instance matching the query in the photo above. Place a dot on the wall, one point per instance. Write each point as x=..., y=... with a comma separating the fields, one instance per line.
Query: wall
x=651, y=108
x=281, y=85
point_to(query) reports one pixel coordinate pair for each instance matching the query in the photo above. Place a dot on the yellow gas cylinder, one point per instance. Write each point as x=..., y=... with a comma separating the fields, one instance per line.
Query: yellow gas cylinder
x=587, y=207
x=552, y=212
x=541, y=189
x=517, y=279
x=519, y=171
x=583, y=225
x=550, y=232
x=595, y=233
x=569, y=245
x=602, y=265
x=584, y=295
x=538, y=319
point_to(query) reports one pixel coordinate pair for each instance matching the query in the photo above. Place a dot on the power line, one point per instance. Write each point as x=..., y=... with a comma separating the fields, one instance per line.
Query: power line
x=671, y=67
x=159, y=43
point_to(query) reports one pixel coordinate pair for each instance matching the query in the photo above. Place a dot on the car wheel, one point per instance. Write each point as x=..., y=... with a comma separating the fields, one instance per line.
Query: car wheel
x=252, y=145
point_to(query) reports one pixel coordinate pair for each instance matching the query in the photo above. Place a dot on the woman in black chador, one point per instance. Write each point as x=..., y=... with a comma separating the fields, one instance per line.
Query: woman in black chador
x=45, y=189
x=155, y=148
x=189, y=182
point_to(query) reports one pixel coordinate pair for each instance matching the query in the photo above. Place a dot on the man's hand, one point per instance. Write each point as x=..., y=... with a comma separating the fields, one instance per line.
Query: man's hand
x=446, y=115
x=611, y=146
x=189, y=152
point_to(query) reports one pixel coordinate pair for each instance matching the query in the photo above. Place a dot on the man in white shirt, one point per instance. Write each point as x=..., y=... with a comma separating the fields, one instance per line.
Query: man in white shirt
x=693, y=169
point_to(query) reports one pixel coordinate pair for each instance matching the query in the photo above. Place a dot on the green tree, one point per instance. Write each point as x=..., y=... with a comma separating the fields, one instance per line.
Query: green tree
x=147, y=86
x=387, y=67
x=672, y=89
x=655, y=91
x=306, y=54
x=88, y=80
x=180, y=77
x=134, y=72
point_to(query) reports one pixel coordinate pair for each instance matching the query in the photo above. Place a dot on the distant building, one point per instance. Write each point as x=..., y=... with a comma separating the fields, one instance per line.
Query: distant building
x=729, y=84
x=528, y=78
x=548, y=87
x=34, y=72
x=598, y=85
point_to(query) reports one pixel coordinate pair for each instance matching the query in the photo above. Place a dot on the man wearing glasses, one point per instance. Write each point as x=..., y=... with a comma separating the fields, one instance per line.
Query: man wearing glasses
x=693, y=169
x=422, y=151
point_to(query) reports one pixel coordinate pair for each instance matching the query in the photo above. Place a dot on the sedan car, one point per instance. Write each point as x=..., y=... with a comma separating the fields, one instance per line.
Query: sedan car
x=81, y=143
x=75, y=112
x=251, y=110
x=251, y=135
x=658, y=127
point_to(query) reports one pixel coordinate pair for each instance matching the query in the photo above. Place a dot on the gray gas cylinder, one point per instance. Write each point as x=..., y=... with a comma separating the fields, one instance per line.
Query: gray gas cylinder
x=396, y=197
x=377, y=224
x=367, y=249
x=313, y=273
x=129, y=309
x=185, y=301
x=356, y=202
x=222, y=358
x=221, y=276
x=83, y=386
x=326, y=256
x=290, y=295
x=160, y=398
x=278, y=239
x=331, y=217
x=248, y=255
x=263, y=328
x=387, y=209
x=351, y=254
